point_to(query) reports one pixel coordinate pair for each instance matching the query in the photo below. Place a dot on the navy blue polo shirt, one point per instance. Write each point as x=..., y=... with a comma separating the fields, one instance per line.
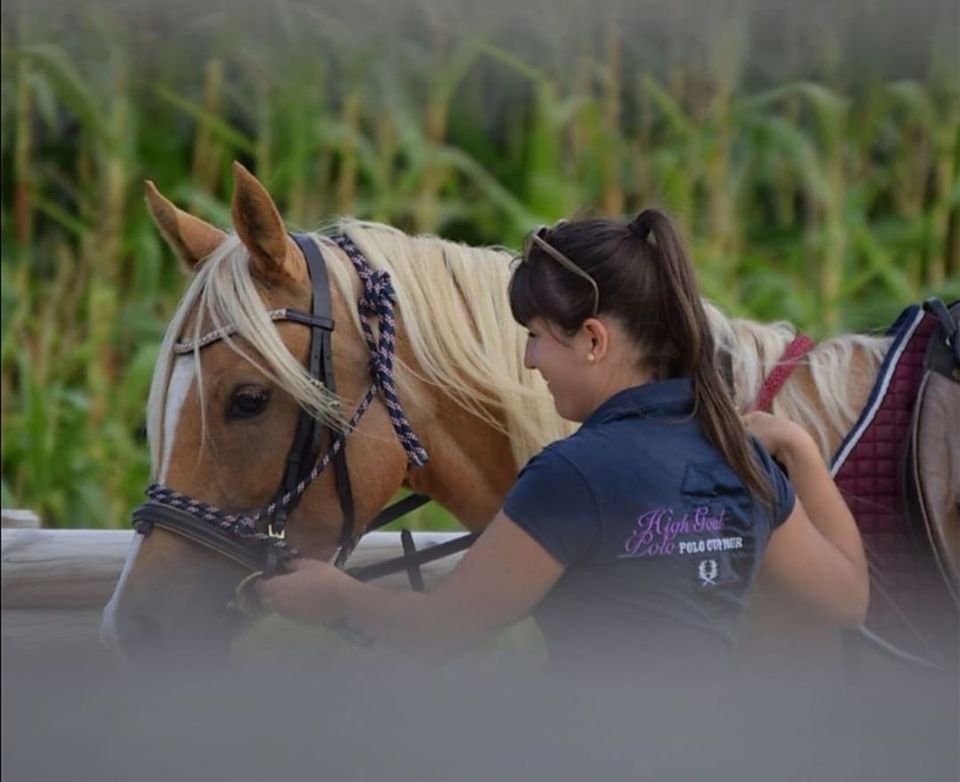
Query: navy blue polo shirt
x=660, y=538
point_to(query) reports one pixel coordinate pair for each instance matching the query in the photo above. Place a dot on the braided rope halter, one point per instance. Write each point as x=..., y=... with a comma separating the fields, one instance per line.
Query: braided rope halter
x=255, y=531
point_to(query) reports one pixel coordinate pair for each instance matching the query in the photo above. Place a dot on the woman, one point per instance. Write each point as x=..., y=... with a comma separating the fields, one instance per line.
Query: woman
x=638, y=537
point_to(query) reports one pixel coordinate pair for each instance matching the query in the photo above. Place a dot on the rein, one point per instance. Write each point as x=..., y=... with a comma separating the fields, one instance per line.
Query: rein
x=257, y=541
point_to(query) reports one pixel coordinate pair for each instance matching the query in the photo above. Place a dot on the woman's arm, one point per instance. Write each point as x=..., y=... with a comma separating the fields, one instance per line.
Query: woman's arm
x=499, y=580
x=817, y=553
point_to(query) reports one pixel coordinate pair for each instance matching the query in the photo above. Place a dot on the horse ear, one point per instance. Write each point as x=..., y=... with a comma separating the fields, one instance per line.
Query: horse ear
x=258, y=223
x=189, y=237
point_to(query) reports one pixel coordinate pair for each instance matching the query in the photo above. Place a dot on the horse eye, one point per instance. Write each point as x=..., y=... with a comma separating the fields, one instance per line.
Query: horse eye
x=247, y=402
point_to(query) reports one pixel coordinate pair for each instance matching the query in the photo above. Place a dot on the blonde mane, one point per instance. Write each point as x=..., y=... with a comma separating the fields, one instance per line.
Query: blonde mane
x=752, y=350
x=452, y=300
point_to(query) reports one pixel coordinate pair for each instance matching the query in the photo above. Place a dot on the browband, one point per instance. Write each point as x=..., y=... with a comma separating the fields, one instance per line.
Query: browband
x=183, y=346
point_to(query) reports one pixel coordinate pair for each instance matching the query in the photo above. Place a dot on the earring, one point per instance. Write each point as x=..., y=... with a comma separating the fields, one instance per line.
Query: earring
x=591, y=358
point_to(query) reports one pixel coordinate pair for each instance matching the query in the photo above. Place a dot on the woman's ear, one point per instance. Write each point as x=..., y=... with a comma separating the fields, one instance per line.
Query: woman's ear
x=597, y=335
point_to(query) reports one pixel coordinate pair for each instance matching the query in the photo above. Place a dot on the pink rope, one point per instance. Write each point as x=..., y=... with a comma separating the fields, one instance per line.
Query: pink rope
x=791, y=357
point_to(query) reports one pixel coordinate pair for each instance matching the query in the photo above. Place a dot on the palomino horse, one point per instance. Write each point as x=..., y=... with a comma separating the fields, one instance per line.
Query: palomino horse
x=230, y=383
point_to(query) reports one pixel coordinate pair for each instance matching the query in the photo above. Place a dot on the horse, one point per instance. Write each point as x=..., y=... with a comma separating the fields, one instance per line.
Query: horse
x=231, y=386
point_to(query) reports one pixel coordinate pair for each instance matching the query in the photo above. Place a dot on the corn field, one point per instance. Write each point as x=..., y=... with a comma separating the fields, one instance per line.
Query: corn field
x=813, y=162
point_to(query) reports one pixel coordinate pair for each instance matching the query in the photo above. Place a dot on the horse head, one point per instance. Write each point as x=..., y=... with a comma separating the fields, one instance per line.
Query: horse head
x=233, y=384
x=225, y=401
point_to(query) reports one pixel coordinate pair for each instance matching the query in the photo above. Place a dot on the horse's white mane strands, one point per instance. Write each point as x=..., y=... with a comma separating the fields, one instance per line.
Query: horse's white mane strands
x=466, y=344
x=754, y=349
x=461, y=331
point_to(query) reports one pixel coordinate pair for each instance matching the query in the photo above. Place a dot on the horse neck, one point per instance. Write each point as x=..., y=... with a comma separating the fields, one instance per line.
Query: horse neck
x=471, y=465
x=828, y=389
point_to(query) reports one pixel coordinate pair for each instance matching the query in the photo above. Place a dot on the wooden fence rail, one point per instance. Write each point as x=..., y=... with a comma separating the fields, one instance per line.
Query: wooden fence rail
x=54, y=583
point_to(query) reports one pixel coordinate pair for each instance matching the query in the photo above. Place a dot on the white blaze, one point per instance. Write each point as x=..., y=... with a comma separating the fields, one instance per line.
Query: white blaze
x=109, y=636
x=181, y=380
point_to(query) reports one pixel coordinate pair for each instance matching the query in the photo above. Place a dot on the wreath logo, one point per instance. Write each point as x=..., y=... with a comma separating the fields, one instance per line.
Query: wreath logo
x=708, y=571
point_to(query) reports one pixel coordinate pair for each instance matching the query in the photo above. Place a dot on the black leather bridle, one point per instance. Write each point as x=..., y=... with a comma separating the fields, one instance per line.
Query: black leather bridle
x=265, y=550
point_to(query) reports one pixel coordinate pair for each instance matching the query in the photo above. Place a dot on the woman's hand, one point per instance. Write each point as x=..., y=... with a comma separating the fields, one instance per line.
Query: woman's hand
x=781, y=437
x=310, y=593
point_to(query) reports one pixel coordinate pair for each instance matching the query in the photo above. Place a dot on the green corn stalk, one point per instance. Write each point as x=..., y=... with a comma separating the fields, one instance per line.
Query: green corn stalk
x=675, y=165
x=346, y=184
x=613, y=196
x=22, y=169
x=207, y=153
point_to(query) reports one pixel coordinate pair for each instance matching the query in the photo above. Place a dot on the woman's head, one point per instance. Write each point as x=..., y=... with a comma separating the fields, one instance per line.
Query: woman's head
x=641, y=276
x=638, y=274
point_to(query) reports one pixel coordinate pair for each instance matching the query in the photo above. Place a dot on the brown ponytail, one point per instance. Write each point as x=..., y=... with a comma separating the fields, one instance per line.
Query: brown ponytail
x=691, y=329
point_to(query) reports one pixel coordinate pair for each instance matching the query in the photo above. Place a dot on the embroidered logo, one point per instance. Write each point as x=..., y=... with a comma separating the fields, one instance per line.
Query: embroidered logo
x=666, y=532
x=708, y=570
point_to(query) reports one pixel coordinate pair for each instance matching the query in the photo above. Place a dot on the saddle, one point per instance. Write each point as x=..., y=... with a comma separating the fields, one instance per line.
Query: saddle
x=899, y=471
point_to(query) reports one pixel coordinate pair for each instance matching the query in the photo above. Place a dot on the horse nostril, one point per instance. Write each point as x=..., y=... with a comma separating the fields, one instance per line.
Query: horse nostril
x=141, y=634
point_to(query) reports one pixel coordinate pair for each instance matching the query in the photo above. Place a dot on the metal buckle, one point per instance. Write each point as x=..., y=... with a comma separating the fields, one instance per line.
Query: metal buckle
x=272, y=533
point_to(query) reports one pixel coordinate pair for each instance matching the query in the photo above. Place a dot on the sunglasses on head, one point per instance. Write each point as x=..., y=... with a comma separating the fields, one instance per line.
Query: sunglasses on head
x=538, y=238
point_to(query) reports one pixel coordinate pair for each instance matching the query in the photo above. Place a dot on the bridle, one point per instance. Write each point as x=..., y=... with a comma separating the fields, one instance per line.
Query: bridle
x=258, y=541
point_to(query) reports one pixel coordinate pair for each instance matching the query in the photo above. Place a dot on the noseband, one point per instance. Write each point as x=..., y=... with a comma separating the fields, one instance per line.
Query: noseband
x=258, y=541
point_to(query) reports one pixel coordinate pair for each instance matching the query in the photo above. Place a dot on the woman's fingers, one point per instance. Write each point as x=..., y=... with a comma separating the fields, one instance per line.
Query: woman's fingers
x=306, y=593
x=264, y=591
x=776, y=433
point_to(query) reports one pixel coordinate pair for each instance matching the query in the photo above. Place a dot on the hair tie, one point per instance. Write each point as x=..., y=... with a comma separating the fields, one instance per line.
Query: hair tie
x=640, y=226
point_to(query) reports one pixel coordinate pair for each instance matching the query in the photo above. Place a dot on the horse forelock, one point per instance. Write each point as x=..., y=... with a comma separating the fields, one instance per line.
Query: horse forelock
x=223, y=293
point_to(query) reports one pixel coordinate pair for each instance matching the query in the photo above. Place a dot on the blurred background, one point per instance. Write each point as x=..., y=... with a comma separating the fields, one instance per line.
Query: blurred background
x=811, y=152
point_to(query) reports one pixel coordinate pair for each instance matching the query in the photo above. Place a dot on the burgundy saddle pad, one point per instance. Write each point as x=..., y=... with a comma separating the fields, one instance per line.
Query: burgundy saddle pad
x=910, y=605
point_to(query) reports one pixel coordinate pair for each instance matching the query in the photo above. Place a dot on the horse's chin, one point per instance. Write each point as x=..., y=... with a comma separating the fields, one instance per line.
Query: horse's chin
x=173, y=606
x=145, y=643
